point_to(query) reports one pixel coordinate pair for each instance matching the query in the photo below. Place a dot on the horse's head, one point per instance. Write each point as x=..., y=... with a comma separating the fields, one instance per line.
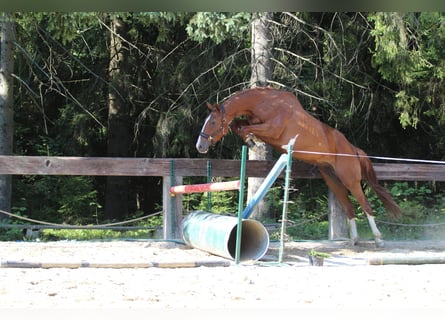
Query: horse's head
x=214, y=128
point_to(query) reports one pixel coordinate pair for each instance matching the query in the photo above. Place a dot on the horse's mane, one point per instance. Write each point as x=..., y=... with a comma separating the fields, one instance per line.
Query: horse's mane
x=247, y=91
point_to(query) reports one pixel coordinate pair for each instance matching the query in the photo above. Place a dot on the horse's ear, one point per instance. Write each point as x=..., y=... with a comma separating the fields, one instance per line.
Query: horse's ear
x=211, y=108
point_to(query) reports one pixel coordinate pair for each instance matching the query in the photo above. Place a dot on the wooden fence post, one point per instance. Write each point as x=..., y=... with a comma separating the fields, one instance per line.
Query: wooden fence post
x=338, y=224
x=172, y=209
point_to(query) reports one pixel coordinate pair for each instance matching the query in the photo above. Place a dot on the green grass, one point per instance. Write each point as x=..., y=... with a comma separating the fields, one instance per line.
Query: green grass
x=89, y=234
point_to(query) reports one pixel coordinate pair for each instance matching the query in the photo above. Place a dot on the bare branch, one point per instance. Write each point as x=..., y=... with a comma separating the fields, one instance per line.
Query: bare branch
x=317, y=66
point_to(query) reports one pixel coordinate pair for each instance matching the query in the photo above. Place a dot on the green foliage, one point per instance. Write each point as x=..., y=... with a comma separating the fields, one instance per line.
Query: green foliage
x=315, y=253
x=85, y=234
x=395, y=59
x=11, y=234
x=422, y=212
x=225, y=202
x=409, y=54
x=66, y=27
x=308, y=230
x=152, y=224
x=307, y=211
x=420, y=202
x=218, y=26
x=221, y=202
x=57, y=199
x=151, y=229
x=409, y=112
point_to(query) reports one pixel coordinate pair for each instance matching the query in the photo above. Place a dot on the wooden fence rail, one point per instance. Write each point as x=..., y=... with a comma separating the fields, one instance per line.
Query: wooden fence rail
x=186, y=167
x=177, y=168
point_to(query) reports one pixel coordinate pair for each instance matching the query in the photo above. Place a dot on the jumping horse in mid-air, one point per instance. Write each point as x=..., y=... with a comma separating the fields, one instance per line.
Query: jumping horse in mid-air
x=275, y=117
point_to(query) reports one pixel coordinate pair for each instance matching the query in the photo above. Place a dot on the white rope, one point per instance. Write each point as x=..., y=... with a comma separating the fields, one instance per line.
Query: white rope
x=68, y=226
x=426, y=225
x=371, y=157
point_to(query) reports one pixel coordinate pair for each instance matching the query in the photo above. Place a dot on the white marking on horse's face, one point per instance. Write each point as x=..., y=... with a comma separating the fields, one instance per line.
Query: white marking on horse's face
x=202, y=144
x=206, y=120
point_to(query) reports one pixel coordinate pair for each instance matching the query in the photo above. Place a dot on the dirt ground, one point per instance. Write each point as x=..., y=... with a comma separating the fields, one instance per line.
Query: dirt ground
x=346, y=280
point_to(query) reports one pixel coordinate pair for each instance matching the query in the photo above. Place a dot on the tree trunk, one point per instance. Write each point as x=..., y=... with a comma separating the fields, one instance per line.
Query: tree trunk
x=116, y=198
x=261, y=66
x=6, y=106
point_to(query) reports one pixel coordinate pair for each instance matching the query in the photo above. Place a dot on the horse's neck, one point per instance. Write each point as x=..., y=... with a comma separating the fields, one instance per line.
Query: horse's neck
x=241, y=105
x=236, y=109
x=253, y=101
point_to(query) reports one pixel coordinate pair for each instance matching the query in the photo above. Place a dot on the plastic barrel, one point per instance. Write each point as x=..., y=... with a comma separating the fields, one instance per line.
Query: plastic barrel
x=216, y=234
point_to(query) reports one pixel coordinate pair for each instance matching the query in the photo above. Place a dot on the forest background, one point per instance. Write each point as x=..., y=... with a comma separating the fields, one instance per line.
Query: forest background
x=136, y=85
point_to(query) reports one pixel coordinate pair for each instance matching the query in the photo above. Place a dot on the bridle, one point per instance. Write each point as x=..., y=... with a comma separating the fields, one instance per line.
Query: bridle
x=221, y=128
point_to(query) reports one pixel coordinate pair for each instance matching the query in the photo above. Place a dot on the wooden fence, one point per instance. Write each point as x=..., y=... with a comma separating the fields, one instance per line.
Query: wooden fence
x=98, y=166
x=178, y=168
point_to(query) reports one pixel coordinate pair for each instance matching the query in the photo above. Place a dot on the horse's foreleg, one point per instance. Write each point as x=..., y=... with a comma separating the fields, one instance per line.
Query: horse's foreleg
x=248, y=138
x=236, y=126
x=267, y=129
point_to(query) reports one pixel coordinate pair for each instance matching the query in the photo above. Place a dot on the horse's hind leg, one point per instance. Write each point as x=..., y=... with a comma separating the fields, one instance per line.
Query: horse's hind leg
x=377, y=235
x=357, y=191
x=341, y=193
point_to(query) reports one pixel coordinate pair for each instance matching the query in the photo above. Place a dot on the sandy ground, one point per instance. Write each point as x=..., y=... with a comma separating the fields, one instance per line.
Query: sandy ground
x=345, y=281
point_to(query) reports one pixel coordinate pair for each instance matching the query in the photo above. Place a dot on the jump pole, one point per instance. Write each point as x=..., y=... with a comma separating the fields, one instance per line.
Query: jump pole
x=205, y=187
x=112, y=265
x=409, y=259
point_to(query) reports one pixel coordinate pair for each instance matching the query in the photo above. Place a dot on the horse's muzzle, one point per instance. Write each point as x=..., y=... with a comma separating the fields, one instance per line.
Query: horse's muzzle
x=202, y=145
x=201, y=149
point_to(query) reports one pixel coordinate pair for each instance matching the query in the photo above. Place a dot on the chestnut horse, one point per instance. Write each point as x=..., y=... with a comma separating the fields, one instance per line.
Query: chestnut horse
x=276, y=116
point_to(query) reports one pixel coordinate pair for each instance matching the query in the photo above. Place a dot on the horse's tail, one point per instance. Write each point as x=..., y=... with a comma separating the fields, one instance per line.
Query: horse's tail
x=370, y=177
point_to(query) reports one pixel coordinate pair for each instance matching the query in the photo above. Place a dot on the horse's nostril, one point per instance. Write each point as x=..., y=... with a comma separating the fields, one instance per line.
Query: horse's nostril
x=201, y=149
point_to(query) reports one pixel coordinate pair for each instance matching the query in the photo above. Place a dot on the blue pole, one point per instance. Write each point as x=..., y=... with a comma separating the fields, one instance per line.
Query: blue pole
x=267, y=183
x=240, y=204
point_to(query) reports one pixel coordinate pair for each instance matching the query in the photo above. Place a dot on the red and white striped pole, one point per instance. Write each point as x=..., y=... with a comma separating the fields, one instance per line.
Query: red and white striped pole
x=206, y=187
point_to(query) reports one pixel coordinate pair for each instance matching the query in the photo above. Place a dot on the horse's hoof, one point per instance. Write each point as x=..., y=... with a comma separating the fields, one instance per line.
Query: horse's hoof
x=250, y=142
x=379, y=243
